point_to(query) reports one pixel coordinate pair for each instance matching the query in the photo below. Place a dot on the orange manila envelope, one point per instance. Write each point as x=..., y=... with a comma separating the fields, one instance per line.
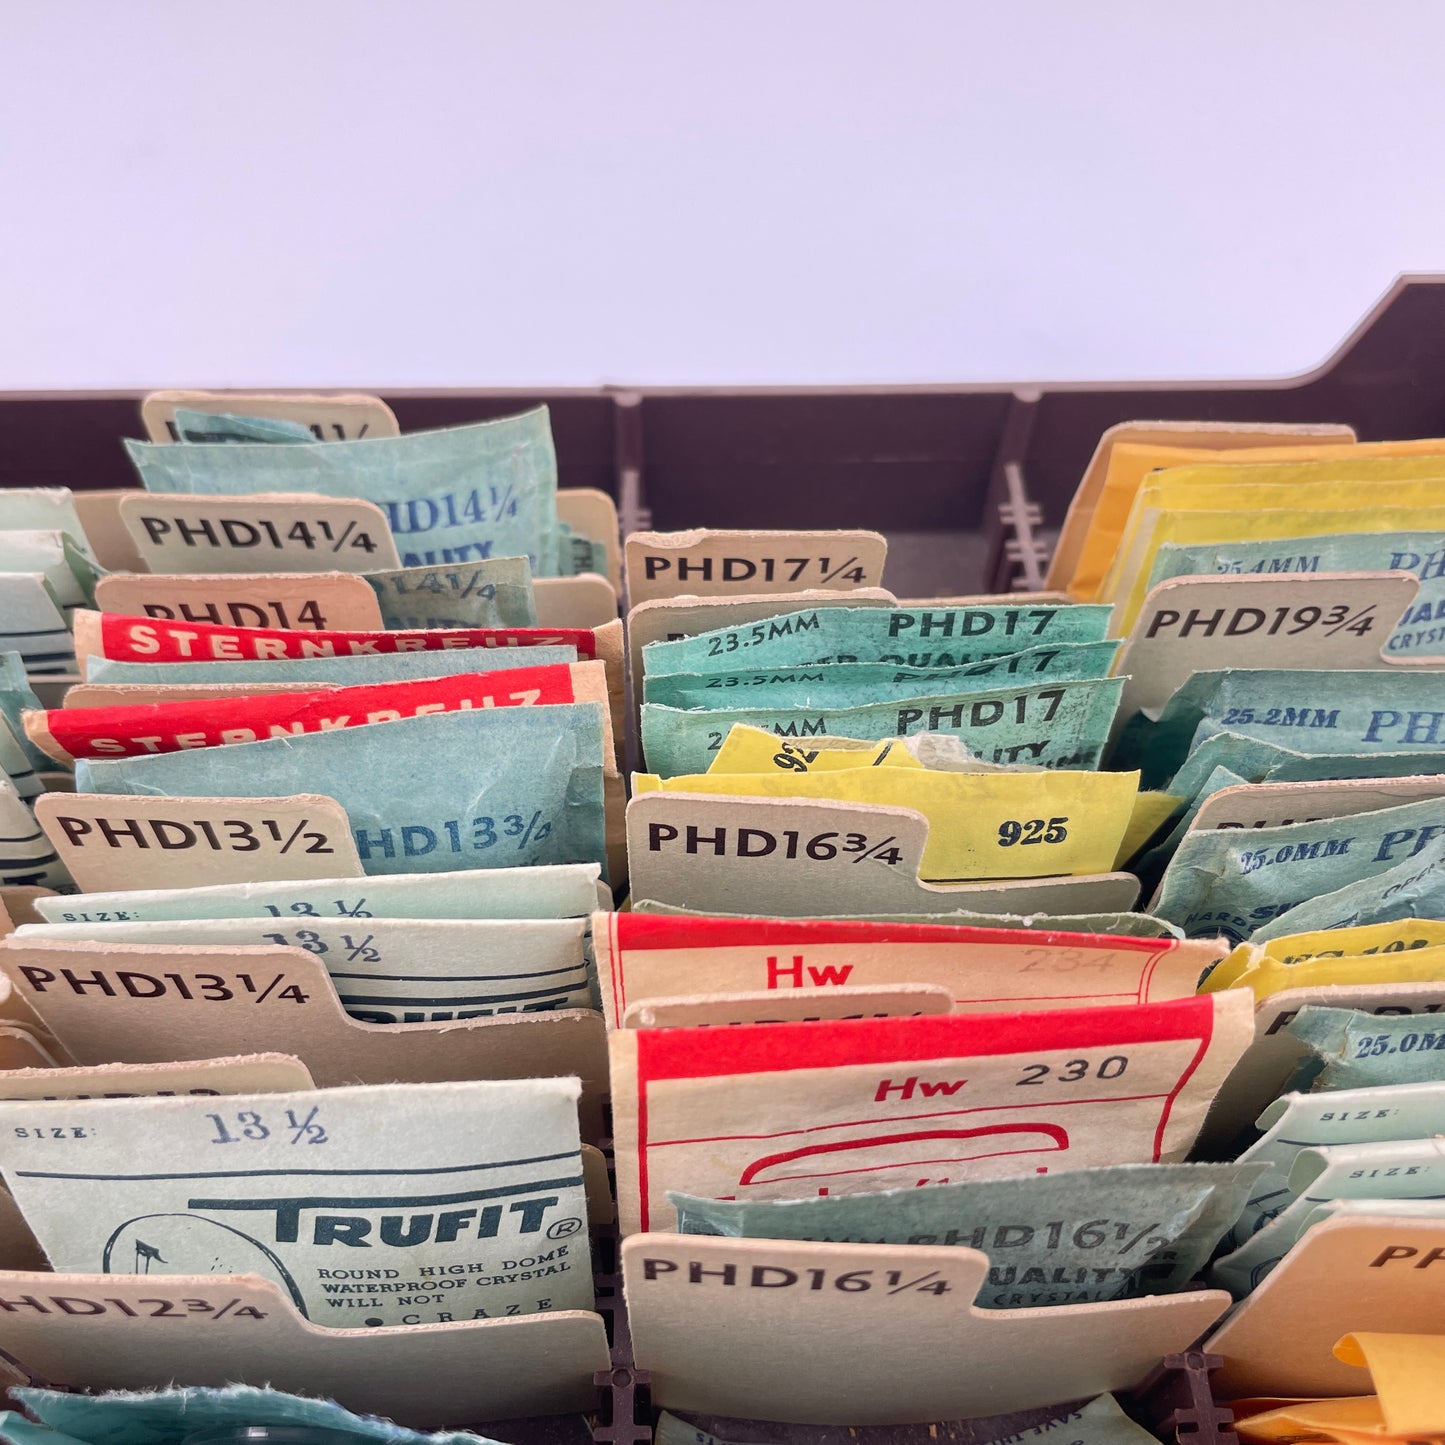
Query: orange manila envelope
x=647, y=956
x=1206, y=439
x=773, y=1111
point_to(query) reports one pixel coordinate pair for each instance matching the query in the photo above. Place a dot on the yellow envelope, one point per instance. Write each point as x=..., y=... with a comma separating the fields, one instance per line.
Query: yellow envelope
x=981, y=825
x=1130, y=463
x=1265, y=976
x=1344, y=1420
x=1150, y=810
x=1407, y=1371
x=760, y=750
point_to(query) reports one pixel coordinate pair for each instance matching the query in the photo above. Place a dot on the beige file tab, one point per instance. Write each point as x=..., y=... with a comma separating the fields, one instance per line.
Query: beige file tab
x=1269, y=1063
x=340, y=601
x=798, y=1005
x=99, y=513
x=331, y=416
x=133, y=1003
x=856, y=1334
x=120, y=1332
x=1221, y=436
x=267, y=532
x=714, y=563
x=770, y=857
x=643, y=958
x=1344, y=1276
x=20, y=1049
x=668, y=618
x=115, y=841
x=18, y=903
x=1274, y=805
x=593, y=514
x=583, y=601
x=1329, y=620
x=238, y=1074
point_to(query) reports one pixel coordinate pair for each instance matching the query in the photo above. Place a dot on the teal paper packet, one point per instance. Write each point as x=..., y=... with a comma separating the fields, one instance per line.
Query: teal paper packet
x=459, y=494
x=951, y=637
x=198, y=427
x=398, y=970
x=1052, y=1239
x=1118, y=925
x=27, y=856
x=15, y=764
x=43, y=509
x=169, y=1417
x=341, y=671
x=16, y=697
x=1056, y=725
x=33, y=624
x=493, y=788
x=1421, y=553
x=1235, y=880
x=577, y=554
x=852, y=684
x=1308, y=711
x=1310, y=1121
x=69, y=573
x=1414, y=888
x=1355, y=1050
x=563, y=890
x=493, y=593
x=1382, y=1169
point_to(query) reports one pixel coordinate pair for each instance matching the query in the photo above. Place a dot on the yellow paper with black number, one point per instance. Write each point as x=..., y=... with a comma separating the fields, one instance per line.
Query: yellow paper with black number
x=981, y=825
x=1265, y=976
x=760, y=750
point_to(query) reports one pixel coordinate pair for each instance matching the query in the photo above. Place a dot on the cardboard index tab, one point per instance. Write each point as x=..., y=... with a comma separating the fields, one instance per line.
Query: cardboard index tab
x=331, y=416
x=787, y=857
x=268, y=532
x=119, y=1332
x=341, y=601
x=799, y=1005
x=855, y=1334
x=1343, y=1276
x=114, y=841
x=710, y=563
x=130, y=1003
x=1202, y=624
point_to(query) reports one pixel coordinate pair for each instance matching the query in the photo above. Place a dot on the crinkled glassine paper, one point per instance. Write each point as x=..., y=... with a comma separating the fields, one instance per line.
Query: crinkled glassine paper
x=1057, y=725
x=340, y=671
x=1052, y=1239
x=458, y=494
x=354, y=1200
x=496, y=592
x=1234, y=880
x=905, y=638
x=562, y=890
x=1356, y=1050
x=853, y=684
x=398, y=970
x=493, y=788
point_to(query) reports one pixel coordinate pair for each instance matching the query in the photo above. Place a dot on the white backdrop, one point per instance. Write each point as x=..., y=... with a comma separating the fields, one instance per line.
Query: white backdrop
x=472, y=192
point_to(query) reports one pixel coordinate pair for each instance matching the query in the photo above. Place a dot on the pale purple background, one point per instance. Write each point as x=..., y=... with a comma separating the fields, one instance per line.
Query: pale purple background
x=576, y=191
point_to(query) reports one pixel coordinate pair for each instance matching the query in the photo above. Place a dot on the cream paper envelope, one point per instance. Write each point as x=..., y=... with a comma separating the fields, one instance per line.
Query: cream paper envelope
x=92, y=732
x=122, y=842
x=780, y=1109
x=118, y=1332
x=129, y=1003
x=1277, y=805
x=423, y=1177
x=1206, y=436
x=557, y=890
x=1204, y=624
x=708, y=562
x=315, y=600
x=591, y=513
x=1272, y=1059
x=855, y=1334
x=801, y=1005
x=329, y=416
x=125, y=639
x=239, y=1074
x=1345, y=1275
x=586, y=600
x=99, y=512
x=750, y=855
x=265, y=532
x=666, y=619
x=397, y=970
x=642, y=957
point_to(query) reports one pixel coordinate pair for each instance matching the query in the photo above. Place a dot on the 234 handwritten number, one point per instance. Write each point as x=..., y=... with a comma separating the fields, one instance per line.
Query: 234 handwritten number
x=1035, y=830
